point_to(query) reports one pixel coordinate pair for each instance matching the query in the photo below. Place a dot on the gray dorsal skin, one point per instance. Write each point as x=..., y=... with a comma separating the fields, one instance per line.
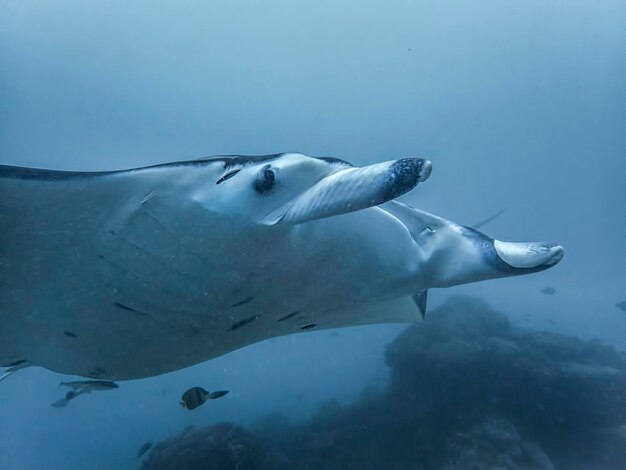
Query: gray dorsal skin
x=129, y=274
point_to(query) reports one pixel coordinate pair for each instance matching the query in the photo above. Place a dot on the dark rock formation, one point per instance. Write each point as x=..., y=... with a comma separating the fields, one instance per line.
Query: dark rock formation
x=466, y=359
x=493, y=443
x=221, y=446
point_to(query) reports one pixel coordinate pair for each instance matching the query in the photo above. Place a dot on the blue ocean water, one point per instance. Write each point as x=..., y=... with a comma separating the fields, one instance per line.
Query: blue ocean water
x=519, y=105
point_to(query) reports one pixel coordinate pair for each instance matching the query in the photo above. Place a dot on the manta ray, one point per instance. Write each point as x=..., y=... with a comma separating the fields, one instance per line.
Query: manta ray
x=121, y=275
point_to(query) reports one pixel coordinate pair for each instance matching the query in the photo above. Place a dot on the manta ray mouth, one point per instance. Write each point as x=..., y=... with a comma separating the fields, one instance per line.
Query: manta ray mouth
x=534, y=255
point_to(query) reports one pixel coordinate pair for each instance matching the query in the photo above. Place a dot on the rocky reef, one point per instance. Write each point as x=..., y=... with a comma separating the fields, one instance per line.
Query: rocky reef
x=222, y=445
x=468, y=391
x=493, y=443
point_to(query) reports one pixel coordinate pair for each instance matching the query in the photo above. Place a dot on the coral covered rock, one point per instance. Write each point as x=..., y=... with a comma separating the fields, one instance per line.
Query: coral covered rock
x=494, y=443
x=221, y=446
x=467, y=359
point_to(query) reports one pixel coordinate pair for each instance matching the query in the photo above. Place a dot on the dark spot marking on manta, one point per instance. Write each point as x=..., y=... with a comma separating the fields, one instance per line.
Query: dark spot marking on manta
x=228, y=176
x=289, y=315
x=130, y=309
x=97, y=372
x=403, y=175
x=194, y=330
x=124, y=307
x=70, y=334
x=243, y=322
x=16, y=363
x=243, y=302
x=308, y=326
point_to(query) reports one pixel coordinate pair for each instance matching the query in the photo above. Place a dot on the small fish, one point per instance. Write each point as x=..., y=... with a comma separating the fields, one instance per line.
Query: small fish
x=62, y=402
x=193, y=398
x=143, y=449
x=548, y=290
x=621, y=305
x=82, y=386
x=90, y=385
x=196, y=396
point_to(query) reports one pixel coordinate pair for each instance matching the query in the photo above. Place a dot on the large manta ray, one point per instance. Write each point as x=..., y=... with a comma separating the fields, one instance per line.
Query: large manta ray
x=127, y=274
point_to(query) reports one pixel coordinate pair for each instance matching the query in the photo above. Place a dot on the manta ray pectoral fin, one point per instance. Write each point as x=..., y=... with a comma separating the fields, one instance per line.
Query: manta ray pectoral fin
x=420, y=301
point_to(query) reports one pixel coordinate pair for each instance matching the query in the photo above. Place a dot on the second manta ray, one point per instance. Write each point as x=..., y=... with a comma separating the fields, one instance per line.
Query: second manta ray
x=127, y=274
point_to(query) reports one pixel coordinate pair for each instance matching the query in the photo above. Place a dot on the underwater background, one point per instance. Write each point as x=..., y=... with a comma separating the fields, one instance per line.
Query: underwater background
x=520, y=105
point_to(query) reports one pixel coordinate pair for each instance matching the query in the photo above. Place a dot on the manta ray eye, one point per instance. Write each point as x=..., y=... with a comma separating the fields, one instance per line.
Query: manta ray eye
x=266, y=179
